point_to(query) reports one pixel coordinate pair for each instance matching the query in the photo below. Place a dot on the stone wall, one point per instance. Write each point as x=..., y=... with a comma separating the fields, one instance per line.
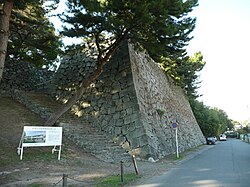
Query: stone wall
x=161, y=103
x=110, y=103
x=133, y=101
x=70, y=74
x=25, y=76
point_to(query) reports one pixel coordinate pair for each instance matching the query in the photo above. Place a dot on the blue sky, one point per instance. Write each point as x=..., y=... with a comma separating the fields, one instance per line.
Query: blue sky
x=222, y=34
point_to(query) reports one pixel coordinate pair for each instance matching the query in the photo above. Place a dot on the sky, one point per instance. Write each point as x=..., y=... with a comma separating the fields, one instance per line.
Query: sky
x=222, y=34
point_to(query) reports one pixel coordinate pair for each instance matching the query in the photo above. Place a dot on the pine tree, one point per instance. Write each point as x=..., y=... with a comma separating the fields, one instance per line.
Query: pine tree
x=160, y=26
x=20, y=22
x=32, y=37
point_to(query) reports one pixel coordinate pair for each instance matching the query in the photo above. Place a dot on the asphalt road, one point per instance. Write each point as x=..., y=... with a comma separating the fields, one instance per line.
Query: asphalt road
x=226, y=164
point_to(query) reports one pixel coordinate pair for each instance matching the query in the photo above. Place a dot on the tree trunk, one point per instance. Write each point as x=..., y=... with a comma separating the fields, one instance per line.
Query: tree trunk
x=4, y=32
x=78, y=94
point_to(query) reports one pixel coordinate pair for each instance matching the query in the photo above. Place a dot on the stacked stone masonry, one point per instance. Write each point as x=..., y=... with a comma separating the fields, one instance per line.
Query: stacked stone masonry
x=134, y=102
x=25, y=76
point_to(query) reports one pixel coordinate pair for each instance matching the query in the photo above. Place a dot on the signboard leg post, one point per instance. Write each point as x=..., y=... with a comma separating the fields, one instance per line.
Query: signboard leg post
x=21, y=153
x=20, y=147
x=59, y=153
x=177, y=145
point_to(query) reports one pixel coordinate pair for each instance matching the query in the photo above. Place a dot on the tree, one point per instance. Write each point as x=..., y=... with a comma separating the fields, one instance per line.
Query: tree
x=161, y=26
x=5, y=7
x=32, y=38
x=184, y=71
x=212, y=121
x=189, y=73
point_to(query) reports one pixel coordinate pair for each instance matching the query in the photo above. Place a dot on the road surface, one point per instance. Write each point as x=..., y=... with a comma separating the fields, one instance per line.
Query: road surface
x=226, y=164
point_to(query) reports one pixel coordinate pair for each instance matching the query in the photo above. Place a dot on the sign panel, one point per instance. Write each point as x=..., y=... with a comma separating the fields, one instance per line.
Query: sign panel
x=41, y=136
x=174, y=125
x=34, y=136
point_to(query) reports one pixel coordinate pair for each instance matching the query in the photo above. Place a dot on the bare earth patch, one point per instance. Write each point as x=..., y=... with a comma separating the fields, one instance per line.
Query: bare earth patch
x=41, y=168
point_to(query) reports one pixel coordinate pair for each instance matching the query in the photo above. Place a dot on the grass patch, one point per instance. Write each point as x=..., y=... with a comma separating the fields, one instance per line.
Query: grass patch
x=39, y=153
x=35, y=185
x=115, y=180
x=193, y=149
x=174, y=157
x=9, y=154
x=183, y=154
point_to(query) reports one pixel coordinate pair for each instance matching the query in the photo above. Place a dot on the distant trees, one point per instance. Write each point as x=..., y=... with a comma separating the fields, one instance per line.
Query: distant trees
x=244, y=126
x=244, y=130
x=212, y=121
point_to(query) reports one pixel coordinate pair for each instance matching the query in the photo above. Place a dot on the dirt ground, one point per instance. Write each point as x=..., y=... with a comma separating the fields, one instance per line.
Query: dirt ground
x=40, y=167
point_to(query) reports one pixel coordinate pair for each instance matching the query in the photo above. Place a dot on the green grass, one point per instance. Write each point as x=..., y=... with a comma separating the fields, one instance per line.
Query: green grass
x=35, y=185
x=115, y=180
x=13, y=117
x=9, y=156
x=39, y=153
x=194, y=148
x=174, y=157
x=183, y=154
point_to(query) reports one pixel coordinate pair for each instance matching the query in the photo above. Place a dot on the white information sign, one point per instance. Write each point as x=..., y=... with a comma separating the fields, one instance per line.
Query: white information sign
x=34, y=136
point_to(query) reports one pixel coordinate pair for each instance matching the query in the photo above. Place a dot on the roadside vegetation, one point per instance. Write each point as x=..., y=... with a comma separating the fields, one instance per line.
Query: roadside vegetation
x=212, y=121
x=115, y=180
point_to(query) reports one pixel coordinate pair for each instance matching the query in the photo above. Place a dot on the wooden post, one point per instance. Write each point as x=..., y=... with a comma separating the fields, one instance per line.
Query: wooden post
x=121, y=171
x=135, y=165
x=65, y=180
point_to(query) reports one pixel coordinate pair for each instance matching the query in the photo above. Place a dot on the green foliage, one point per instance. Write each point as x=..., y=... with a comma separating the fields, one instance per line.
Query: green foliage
x=36, y=185
x=32, y=37
x=245, y=126
x=244, y=130
x=161, y=27
x=160, y=112
x=115, y=181
x=212, y=121
x=185, y=72
x=189, y=71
